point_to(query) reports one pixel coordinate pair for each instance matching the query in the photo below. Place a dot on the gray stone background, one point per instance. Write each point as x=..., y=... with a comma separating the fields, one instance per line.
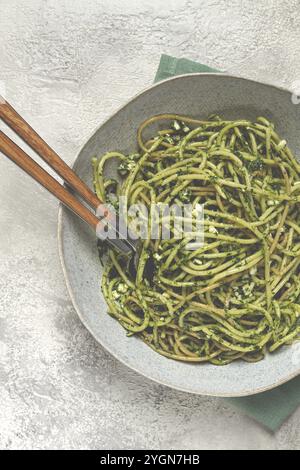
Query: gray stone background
x=66, y=66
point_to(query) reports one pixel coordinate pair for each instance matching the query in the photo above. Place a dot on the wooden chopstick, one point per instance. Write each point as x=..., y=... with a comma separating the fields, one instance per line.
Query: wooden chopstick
x=30, y=136
x=32, y=168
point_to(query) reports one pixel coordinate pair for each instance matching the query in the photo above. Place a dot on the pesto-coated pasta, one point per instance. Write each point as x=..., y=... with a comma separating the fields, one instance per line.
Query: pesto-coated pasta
x=237, y=296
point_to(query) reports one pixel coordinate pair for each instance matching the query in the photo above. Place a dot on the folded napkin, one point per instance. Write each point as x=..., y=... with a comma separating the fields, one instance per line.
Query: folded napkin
x=270, y=408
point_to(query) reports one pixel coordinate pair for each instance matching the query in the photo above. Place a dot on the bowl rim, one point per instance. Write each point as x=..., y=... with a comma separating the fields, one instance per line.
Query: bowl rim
x=62, y=209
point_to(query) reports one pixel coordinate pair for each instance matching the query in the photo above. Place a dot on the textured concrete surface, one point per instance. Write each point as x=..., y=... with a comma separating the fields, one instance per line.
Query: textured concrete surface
x=66, y=66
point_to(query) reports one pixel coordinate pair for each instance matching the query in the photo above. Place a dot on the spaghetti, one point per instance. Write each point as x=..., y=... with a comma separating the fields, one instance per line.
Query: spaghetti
x=237, y=296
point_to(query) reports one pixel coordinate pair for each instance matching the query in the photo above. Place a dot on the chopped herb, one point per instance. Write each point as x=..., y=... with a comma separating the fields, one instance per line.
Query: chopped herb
x=256, y=165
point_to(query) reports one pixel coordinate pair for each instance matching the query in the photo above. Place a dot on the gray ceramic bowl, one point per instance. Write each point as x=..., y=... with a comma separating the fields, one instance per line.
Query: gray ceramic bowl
x=197, y=95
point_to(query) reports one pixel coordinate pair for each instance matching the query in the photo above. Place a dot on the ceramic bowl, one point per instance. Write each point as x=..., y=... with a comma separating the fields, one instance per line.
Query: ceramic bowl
x=197, y=95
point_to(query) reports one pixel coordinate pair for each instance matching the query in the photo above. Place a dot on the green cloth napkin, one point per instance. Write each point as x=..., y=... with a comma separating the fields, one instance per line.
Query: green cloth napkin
x=270, y=408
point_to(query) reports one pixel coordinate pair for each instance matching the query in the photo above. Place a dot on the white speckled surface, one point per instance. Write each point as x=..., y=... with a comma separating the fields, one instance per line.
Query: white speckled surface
x=66, y=66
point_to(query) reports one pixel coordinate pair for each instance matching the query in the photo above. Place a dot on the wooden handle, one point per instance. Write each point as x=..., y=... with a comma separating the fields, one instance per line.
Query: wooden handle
x=23, y=129
x=24, y=161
